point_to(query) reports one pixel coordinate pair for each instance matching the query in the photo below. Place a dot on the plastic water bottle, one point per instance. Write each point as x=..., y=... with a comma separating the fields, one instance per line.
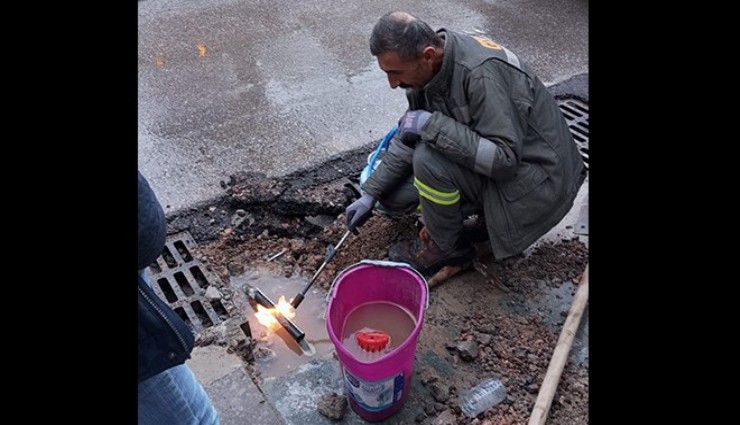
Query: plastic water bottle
x=483, y=396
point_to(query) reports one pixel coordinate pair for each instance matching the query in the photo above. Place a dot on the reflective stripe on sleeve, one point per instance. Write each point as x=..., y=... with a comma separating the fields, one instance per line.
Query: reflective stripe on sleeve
x=511, y=58
x=440, y=198
x=484, y=157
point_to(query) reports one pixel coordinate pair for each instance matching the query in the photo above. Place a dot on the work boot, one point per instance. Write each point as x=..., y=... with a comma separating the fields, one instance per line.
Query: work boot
x=474, y=231
x=428, y=258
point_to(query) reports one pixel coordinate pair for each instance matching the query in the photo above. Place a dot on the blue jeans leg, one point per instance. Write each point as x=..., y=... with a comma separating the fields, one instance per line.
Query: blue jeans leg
x=175, y=397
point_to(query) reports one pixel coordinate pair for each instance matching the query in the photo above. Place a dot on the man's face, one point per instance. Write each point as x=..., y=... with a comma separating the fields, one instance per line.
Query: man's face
x=414, y=74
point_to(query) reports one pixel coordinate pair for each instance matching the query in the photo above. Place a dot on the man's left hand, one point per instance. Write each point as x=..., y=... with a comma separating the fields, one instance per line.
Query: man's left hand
x=412, y=122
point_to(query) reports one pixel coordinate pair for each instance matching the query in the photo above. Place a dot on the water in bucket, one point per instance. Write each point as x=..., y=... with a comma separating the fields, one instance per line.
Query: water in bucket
x=379, y=306
x=376, y=329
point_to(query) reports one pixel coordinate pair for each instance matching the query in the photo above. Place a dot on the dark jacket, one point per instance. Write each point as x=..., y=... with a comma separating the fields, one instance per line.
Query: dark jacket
x=491, y=114
x=165, y=340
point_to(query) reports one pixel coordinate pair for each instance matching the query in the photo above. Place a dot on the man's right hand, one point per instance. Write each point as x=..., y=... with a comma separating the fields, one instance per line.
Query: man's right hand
x=410, y=140
x=359, y=212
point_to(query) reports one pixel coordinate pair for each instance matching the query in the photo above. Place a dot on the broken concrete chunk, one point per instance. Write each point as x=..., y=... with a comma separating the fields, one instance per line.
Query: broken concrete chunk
x=212, y=293
x=468, y=350
x=428, y=376
x=440, y=392
x=332, y=406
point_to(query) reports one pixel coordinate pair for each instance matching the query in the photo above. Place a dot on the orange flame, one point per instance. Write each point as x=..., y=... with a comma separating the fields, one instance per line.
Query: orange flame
x=266, y=316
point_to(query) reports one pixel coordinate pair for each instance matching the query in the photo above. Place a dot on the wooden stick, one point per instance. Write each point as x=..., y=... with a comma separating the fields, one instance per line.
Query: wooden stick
x=560, y=355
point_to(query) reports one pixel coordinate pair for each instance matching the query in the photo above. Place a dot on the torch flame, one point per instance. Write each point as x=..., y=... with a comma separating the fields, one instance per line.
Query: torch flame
x=266, y=316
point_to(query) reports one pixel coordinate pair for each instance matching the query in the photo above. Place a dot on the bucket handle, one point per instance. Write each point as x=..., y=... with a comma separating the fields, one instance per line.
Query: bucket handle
x=381, y=263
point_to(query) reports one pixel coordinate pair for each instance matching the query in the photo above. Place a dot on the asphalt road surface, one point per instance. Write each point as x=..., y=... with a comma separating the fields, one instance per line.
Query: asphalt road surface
x=276, y=86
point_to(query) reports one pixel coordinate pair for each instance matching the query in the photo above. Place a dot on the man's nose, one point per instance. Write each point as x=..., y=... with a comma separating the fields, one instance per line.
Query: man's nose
x=394, y=82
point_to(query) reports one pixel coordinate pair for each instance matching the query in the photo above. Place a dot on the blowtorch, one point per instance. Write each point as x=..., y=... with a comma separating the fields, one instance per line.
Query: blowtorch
x=291, y=328
x=330, y=251
x=294, y=331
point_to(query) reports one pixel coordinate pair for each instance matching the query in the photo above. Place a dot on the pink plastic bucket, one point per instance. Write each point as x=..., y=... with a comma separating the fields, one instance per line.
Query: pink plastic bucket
x=360, y=284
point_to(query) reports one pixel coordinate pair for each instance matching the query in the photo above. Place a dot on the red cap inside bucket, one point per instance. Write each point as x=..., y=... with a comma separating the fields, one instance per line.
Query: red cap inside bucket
x=372, y=341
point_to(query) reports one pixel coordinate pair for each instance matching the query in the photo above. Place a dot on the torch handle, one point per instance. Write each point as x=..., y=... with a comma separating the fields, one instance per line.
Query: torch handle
x=330, y=254
x=297, y=300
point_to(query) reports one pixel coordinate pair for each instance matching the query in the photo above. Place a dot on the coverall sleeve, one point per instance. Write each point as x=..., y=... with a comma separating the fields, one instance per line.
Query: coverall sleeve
x=499, y=101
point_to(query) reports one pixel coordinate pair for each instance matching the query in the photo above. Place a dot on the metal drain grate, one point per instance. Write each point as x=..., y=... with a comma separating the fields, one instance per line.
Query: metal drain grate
x=576, y=115
x=181, y=280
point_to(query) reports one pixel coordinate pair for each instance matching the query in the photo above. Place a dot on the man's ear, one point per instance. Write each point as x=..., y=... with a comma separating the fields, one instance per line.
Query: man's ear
x=429, y=54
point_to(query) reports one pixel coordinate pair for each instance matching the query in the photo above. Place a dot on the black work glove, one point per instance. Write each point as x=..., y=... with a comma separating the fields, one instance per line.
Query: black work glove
x=359, y=212
x=411, y=123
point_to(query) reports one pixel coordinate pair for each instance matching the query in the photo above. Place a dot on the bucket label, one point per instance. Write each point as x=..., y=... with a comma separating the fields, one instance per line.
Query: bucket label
x=374, y=396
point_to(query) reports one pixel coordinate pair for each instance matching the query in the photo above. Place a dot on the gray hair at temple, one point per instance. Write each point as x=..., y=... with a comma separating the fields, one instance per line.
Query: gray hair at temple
x=403, y=33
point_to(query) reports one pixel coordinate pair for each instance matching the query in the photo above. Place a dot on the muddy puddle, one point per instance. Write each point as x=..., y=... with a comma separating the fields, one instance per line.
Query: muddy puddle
x=276, y=352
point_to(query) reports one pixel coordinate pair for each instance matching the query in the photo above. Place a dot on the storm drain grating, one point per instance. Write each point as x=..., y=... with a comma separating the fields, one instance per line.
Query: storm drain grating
x=576, y=115
x=181, y=280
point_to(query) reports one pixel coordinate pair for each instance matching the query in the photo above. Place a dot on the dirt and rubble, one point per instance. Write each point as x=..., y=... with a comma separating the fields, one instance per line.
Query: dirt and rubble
x=496, y=332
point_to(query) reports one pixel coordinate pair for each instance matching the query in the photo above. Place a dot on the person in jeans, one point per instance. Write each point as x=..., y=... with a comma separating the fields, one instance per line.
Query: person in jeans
x=481, y=136
x=169, y=392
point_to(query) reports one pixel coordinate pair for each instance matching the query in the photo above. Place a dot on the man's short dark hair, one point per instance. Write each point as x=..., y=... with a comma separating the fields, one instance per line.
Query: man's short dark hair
x=403, y=33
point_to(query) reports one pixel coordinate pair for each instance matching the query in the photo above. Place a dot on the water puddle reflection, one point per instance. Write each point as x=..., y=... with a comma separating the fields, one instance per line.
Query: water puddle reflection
x=278, y=353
